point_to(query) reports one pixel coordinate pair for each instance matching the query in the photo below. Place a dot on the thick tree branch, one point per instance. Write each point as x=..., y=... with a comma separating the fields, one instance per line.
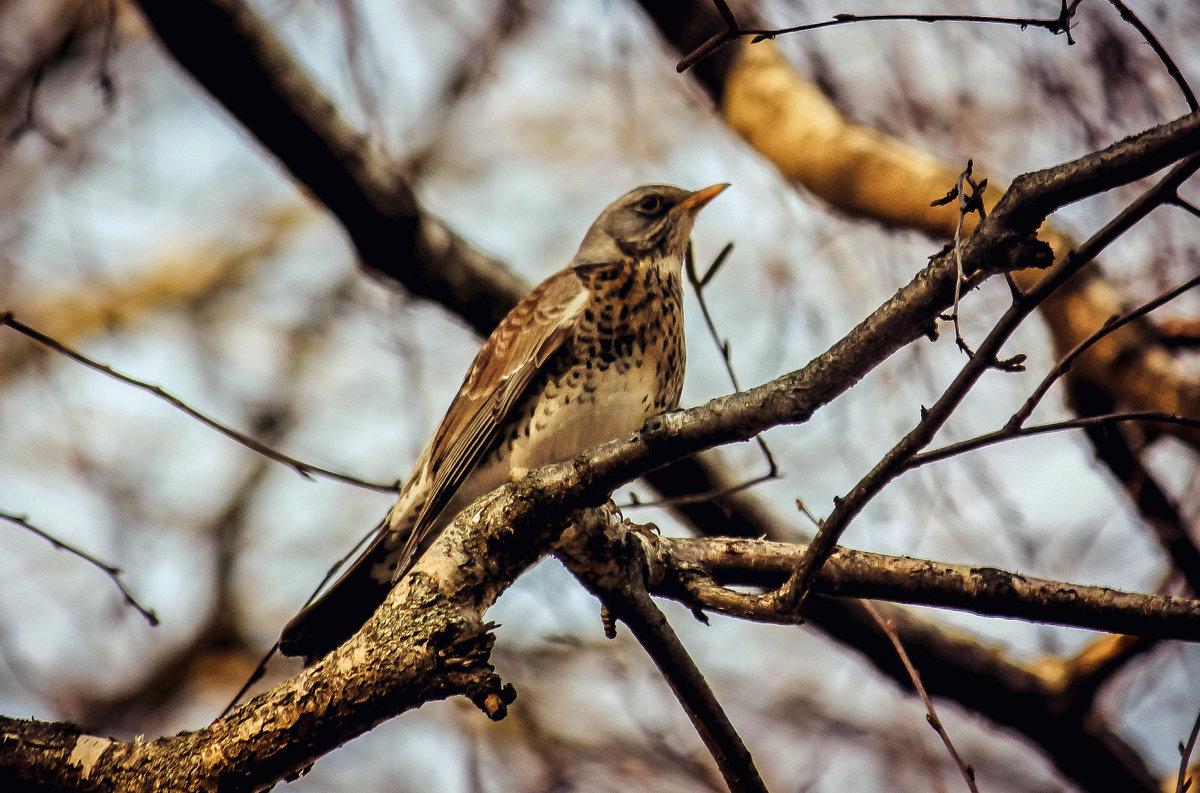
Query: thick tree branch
x=429, y=641
x=794, y=397
x=701, y=568
x=865, y=173
x=1047, y=188
x=410, y=651
x=1008, y=710
x=240, y=61
x=595, y=550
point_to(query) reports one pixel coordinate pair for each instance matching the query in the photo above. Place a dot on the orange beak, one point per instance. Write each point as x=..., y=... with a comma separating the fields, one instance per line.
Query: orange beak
x=697, y=200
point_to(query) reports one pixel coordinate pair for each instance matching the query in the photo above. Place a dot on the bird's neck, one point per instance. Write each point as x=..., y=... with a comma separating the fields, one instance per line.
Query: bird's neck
x=631, y=281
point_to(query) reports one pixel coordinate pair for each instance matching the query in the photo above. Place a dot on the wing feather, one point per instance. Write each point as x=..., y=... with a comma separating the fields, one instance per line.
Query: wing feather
x=511, y=359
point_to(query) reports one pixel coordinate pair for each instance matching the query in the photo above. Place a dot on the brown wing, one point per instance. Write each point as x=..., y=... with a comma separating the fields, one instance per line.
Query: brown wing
x=513, y=356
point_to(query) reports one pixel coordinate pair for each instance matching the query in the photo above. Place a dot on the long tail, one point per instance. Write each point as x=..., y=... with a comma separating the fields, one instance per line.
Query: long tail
x=341, y=610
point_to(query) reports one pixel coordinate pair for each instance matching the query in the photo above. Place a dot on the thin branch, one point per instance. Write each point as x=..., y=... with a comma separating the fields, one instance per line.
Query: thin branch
x=1065, y=364
x=222, y=632
x=710, y=46
x=613, y=570
x=806, y=512
x=1002, y=241
x=894, y=463
x=1183, y=782
x=261, y=668
x=1005, y=434
x=1159, y=514
x=661, y=643
x=304, y=469
x=1129, y=16
x=114, y=573
x=1060, y=24
x=699, y=283
x=931, y=716
x=967, y=203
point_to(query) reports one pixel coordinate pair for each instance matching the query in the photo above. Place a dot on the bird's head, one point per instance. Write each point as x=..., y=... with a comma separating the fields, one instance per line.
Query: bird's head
x=649, y=221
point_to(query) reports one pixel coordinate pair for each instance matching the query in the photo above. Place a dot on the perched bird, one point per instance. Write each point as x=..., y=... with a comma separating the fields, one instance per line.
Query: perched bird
x=587, y=356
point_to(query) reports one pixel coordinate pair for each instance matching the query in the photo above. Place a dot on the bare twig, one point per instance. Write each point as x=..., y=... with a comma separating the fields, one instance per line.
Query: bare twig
x=261, y=668
x=306, y=470
x=1160, y=515
x=894, y=463
x=930, y=713
x=967, y=203
x=714, y=43
x=806, y=512
x=699, y=283
x=1184, y=782
x=1065, y=364
x=1006, y=434
x=1129, y=16
x=114, y=573
x=615, y=576
x=1060, y=24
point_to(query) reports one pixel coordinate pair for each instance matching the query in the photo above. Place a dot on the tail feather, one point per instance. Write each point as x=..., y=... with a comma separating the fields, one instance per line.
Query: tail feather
x=404, y=535
x=342, y=609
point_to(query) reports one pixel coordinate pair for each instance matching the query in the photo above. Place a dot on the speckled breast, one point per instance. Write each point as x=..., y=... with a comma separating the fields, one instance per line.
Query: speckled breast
x=624, y=364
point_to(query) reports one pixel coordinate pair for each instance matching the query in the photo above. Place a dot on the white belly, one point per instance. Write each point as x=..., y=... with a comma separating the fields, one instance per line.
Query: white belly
x=620, y=403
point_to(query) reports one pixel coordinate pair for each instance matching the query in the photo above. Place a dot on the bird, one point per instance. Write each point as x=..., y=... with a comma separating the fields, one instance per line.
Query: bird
x=589, y=355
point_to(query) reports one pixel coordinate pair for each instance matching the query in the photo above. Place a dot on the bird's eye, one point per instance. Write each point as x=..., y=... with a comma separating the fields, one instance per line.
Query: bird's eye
x=650, y=205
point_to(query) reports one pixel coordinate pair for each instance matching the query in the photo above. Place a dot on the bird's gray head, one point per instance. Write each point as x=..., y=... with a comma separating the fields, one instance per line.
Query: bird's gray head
x=653, y=220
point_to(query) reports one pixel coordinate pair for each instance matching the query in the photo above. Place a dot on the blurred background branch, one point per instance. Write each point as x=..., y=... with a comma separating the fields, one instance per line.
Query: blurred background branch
x=532, y=124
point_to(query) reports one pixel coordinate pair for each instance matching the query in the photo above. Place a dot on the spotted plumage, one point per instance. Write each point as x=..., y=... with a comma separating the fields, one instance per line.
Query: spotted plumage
x=588, y=355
